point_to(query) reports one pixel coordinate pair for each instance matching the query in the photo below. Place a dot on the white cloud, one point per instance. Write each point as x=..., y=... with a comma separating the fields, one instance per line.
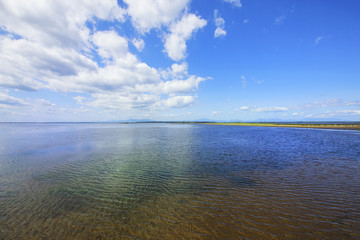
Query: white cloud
x=176, y=71
x=349, y=112
x=118, y=86
x=139, y=44
x=280, y=20
x=181, y=86
x=330, y=103
x=330, y=108
x=179, y=69
x=27, y=65
x=270, y=109
x=318, y=109
x=245, y=108
x=352, y=103
x=79, y=99
x=148, y=14
x=180, y=32
x=214, y=113
x=220, y=25
x=110, y=44
x=219, y=32
x=258, y=81
x=246, y=21
x=14, y=106
x=56, y=23
x=318, y=39
x=235, y=3
x=52, y=34
x=5, y=99
x=264, y=109
x=179, y=101
x=128, y=101
x=55, y=50
x=243, y=81
x=339, y=113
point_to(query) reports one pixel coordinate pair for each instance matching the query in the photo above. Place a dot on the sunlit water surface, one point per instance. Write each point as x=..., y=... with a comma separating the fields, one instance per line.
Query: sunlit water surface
x=177, y=181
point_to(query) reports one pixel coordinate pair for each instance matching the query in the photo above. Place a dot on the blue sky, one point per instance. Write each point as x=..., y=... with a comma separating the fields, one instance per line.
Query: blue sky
x=221, y=60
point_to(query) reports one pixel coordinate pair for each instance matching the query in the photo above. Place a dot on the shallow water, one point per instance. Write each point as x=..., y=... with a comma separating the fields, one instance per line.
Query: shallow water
x=177, y=181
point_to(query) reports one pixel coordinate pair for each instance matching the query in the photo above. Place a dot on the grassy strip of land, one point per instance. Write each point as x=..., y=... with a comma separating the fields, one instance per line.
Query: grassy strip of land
x=294, y=125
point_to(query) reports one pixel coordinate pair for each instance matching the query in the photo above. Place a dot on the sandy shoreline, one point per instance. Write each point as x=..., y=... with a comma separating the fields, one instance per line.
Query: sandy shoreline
x=295, y=125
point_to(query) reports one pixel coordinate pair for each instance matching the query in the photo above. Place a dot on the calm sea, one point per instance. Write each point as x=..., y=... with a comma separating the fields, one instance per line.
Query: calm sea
x=177, y=181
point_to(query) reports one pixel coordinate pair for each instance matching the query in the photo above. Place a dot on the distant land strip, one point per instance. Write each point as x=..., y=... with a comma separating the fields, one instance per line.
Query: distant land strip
x=344, y=126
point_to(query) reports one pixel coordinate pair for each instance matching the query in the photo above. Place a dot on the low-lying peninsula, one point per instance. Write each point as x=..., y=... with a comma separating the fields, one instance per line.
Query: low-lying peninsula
x=345, y=126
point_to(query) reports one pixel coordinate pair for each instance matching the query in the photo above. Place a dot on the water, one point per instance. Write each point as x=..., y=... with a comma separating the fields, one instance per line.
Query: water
x=177, y=181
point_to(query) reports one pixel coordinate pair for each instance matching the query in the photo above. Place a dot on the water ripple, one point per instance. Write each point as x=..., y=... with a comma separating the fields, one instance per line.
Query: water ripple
x=183, y=182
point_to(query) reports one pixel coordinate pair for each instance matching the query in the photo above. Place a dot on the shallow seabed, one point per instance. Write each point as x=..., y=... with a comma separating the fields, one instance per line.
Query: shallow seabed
x=177, y=181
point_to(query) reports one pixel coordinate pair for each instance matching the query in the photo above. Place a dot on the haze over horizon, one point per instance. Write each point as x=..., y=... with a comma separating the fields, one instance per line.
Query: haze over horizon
x=179, y=60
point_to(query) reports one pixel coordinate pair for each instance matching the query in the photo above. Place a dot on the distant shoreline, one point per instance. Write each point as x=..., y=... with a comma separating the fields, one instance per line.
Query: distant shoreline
x=342, y=126
x=316, y=125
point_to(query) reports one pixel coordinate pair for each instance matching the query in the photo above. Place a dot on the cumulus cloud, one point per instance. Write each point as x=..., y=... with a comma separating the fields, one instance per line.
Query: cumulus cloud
x=235, y=3
x=114, y=100
x=110, y=44
x=176, y=71
x=25, y=64
x=42, y=110
x=148, y=14
x=139, y=44
x=179, y=70
x=5, y=99
x=179, y=101
x=181, y=86
x=21, y=107
x=220, y=25
x=56, y=23
x=219, y=32
x=49, y=45
x=180, y=32
x=264, y=109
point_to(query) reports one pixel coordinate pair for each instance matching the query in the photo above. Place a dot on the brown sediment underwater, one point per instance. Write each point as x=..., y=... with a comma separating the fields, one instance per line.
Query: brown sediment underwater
x=178, y=181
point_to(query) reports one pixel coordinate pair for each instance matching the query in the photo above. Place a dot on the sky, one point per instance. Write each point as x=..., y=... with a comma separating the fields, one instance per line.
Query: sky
x=179, y=60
